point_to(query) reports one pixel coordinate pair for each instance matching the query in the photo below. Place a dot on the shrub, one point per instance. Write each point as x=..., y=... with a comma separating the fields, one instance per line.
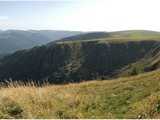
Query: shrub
x=10, y=109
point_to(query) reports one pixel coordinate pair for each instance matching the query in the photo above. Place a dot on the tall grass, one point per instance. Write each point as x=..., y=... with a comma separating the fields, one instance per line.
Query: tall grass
x=132, y=97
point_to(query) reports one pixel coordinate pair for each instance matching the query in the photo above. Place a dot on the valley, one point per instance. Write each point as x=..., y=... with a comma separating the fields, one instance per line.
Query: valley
x=91, y=75
x=79, y=59
x=67, y=61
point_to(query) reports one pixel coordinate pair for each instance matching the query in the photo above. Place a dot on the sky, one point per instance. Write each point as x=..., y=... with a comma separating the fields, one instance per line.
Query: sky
x=80, y=15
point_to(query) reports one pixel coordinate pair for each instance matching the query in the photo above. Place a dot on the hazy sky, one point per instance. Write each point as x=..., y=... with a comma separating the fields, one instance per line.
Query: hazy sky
x=85, y=15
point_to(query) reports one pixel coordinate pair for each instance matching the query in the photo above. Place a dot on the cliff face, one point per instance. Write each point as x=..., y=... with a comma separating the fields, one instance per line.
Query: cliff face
x=72, y=62
x=150, y=62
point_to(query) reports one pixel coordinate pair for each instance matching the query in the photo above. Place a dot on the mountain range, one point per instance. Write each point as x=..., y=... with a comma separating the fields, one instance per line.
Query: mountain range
x=13, y=40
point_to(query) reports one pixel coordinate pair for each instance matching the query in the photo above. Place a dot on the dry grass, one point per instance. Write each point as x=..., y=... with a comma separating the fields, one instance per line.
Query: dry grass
x=121, y=98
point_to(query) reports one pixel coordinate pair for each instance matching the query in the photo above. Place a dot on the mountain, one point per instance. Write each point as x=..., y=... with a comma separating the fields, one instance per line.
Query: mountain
x=75, y=61
x=126, y=53
x=13, y=40
x=57, y=34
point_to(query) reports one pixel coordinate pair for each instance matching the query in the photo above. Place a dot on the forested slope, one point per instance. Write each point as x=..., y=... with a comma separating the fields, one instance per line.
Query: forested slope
x=72, y=62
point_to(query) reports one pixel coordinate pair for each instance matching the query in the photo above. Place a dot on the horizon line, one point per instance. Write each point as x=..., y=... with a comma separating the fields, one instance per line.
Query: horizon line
x=79, y=30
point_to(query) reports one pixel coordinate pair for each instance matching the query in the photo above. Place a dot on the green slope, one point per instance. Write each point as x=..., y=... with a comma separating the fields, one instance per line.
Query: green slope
x=119, y=36
x=136, y=34
x=132, y=97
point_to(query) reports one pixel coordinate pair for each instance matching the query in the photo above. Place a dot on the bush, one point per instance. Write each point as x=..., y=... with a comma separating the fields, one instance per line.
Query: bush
x=10, y=109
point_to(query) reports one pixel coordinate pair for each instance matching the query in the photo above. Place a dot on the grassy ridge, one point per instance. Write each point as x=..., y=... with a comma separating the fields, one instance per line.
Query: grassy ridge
x=119, y=36
x=132, y=97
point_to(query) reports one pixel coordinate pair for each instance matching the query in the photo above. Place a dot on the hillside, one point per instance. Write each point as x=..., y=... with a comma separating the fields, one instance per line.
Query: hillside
x=150, y=62
x=31, y=73
x=83, y=60
x=118, y=36
x=132, y=97
x=72, y=62
x=12, y=40
x=136, y=34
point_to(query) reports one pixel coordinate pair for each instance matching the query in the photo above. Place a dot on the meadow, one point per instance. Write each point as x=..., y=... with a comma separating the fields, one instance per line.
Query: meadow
x=130, y=97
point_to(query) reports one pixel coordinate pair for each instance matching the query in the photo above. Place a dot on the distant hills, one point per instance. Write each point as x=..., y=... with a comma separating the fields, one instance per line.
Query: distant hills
x=12, y=40
x=87, y=36
x=83, y=57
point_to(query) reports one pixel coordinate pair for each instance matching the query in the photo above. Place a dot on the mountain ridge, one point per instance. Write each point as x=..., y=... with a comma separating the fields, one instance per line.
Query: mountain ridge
x=78, y=60
x=13, y=40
